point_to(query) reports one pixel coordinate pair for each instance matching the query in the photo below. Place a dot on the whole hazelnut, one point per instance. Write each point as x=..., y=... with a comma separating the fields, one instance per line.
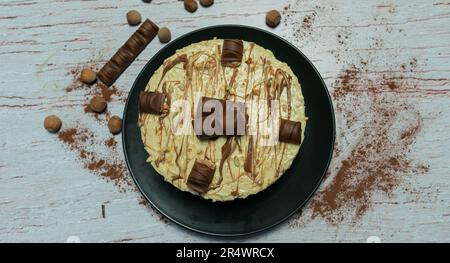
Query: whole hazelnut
x=97, y=104
x=273, y=18
x=134, y=17
x=190, y=5
x=115, y=124
x=164, y=35
x=52, y=123
x=88, y=76
x=206, y=3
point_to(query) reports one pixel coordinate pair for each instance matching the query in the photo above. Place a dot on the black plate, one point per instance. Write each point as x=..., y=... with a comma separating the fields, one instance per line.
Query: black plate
x=267, y=208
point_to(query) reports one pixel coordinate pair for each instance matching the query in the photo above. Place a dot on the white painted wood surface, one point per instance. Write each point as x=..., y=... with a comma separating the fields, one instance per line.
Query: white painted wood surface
x=46, y=195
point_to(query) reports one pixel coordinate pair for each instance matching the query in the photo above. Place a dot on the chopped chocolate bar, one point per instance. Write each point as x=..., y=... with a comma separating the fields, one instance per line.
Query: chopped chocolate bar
x=151, y=102
x=290, y=131
x=201, y=176
x=128, y=52
x=232, y=52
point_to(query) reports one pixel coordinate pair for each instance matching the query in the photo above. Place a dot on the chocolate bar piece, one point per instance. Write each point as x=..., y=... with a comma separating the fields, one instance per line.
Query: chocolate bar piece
x=222, y=126
x=232, y=52
x=111, y=71
x=290, y=131
x=151, y=102
x=201, y=176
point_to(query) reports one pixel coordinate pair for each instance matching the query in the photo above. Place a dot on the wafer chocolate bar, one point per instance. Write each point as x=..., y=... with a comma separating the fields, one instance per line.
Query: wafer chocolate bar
x=201, y=176
x=290, y=131
x=112, y=70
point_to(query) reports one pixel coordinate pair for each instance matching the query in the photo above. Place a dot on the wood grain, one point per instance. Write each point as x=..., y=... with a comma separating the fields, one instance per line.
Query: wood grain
x=47, y=196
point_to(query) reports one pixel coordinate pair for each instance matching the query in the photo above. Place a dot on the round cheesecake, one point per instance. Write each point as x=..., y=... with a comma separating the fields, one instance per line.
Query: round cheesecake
x=234, y=166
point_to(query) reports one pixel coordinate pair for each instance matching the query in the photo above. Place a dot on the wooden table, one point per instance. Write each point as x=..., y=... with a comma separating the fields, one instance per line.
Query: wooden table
x=47, y=195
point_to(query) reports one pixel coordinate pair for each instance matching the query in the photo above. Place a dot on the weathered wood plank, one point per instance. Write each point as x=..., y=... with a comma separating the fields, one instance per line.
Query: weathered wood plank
x=46, y=195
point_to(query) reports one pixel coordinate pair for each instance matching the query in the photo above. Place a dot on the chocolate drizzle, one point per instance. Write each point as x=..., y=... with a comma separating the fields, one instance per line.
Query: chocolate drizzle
x=172, y=63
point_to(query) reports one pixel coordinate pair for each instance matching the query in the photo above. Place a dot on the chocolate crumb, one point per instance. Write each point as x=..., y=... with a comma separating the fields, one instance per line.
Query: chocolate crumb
x=103, y=211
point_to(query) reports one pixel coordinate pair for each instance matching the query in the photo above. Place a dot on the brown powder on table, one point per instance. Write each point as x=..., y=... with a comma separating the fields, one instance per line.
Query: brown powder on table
x=376, y=129
x=107, y=164
x=98, y=155
x=96, y=89
x=306, y=23
x=150, y=208
x=111, y=143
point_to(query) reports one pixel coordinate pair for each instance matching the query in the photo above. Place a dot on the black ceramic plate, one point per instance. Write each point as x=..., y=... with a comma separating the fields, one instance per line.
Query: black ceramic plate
x=267, y=208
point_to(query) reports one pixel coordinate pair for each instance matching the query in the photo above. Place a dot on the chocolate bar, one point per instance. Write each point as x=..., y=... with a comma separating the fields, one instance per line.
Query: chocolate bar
x=290, y=131
x=232, y=52
x=111, y=71
x=201, y=176
x=151, y=102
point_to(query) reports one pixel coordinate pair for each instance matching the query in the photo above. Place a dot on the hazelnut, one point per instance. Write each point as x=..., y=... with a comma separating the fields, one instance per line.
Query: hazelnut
x=206, y=3
x=115, y=124
x=190, y=5
x=147, y=1
x=97, y=104
x=52, y=123
x=164, y=35
x=88, y=76
x=273, y=18
x=134, y=17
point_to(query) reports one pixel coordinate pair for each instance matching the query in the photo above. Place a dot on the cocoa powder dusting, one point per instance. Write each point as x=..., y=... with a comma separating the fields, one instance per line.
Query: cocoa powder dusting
x=107, y=164
x=99, y=155
x=67, y=136
x=301, y=28
x=375, y=133
x=96, y=89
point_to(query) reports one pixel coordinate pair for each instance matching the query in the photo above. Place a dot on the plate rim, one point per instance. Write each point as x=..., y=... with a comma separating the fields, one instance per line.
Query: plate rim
x=278, y=222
